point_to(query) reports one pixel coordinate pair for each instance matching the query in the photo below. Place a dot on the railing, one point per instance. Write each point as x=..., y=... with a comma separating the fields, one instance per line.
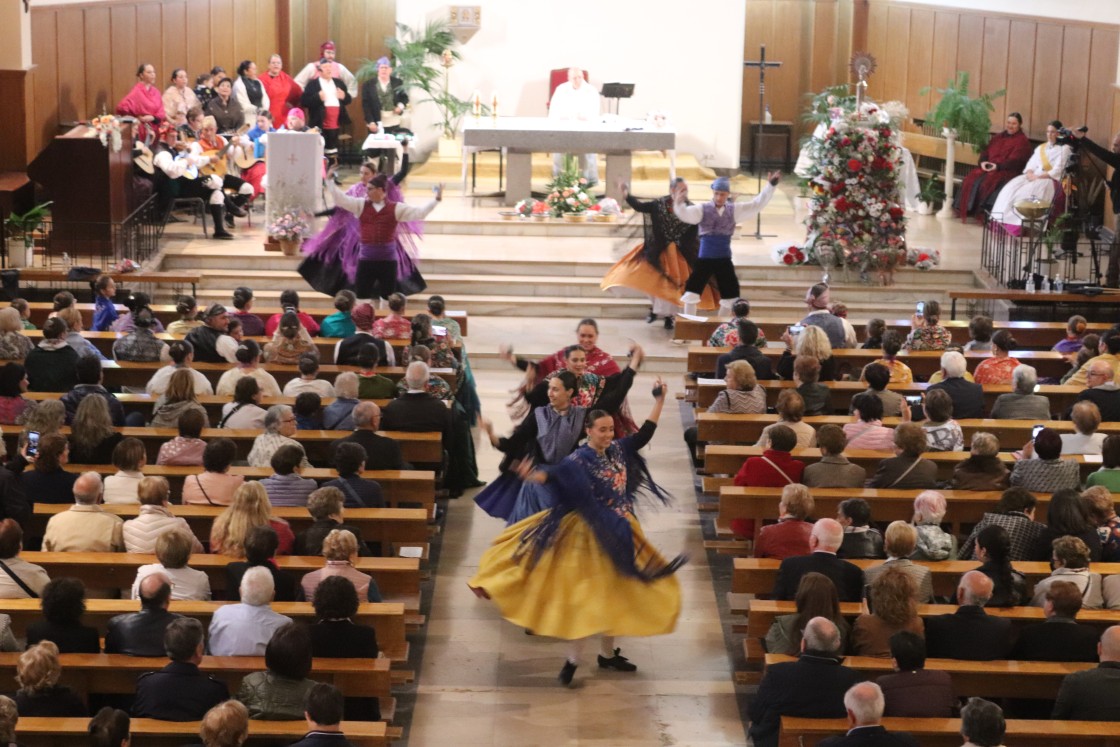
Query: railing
x=98, y=244
x=1008, y=258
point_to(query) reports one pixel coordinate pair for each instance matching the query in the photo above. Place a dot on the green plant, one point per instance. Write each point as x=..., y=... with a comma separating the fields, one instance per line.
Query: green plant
x=931, y=191
x=421, y=60
x=1059, y=229
x=970, y=117
x=803, y=187
x=567, y=193
x=24, y=225
x=819, y=105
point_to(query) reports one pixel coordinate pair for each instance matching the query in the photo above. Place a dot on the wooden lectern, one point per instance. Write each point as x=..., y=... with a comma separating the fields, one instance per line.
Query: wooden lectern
x=90, y=186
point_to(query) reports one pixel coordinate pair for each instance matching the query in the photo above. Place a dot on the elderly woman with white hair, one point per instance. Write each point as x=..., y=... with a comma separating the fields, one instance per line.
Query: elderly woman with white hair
x=1022, y=403
x=983, y=469
x=933, y=542
x=14, y=345
x=1086, y=417
x=279, y=427
x=968, y=397
x=339, y=415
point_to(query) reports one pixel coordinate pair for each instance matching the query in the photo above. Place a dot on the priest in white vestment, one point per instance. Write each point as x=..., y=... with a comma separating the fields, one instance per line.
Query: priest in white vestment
x=576, y=100
x=1041, y=179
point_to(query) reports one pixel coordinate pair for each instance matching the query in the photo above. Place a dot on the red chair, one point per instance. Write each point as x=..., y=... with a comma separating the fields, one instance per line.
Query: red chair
x=556, y=77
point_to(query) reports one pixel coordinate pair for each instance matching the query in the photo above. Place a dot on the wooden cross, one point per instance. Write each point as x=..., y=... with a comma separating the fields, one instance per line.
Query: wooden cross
x=761, y=63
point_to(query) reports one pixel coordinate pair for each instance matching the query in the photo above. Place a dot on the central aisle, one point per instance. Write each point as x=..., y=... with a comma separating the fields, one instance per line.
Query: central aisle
x=485, y=682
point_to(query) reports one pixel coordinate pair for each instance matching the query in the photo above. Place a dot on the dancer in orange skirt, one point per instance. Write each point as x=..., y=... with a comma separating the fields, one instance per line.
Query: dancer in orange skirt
x=661, y=264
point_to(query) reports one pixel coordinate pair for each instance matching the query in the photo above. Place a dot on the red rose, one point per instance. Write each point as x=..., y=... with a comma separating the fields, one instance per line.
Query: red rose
x=846, y=141
x=854, y=164
x=923, y=257
x=896, y=212
x=837, y=188
x=788, y=259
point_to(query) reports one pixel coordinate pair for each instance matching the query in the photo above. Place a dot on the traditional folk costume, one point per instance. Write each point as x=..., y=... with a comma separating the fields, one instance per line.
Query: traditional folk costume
x=227, y=113
x=1048, y=164
x=252, y=97
x=221, y=204
x=177, y=102
x=331, y=256
x=283, y=93
x=143, y=101
x=328, y=114
x=379, y=106
x=256, y=174
x=584, y=567
x=384, y=262
x=1010, y=154
x=311, y=70
x=660, y=265
x=601, y=370
x=546, y=437
x=717, y=226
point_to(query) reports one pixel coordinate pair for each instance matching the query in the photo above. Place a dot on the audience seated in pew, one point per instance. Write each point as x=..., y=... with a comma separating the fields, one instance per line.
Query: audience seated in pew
x=993, y=550
x=85, y=527
x=1061, y=637
x=179, y=691
x=790, y=536
x=746, y=349
x=864, y=705
x=816, y=597
x=811, y=342
x=214, y=486
x=14, y=345
x=175, y=403
x=340, y=548
x=942, y=432
x=350, y=460
x=141, y=633
x=129, y=457
x=245, y=410
x=39, y=694
x=909, y=470
x=308, y=409
x=22, y=579
x=326, y=508
x=878, y=377
x=52, y=364
x=861, y=540
x=891, y=599
x=1102, y=511
x=280, y=692
x=899, y=543
x=824, y=542
x=339, y=415
x=1093, y=694
x=92, y=437
x=1108, y=352
x=250, y=508
x=335, y=636
x=969, y=633
x=1022, y=403
x=346, y=351
x=245, y=628
x=372, y=385
x=816, y=396
x=914, y=691
x=225, y=725
x=1048, y=472
x=1015, y=513
x=173, y=551
x=260, y=547
x=1101, y=390
x=1067, y=515
x=932, y=542
x=142, y=534
x=308, y=381
x=248, y=355
x=775, y=468
x=968, y=397
x=110, y=727
x=15, y=409
x=285, y=487
x=187, y=448
x=279, y=427
x=289, y=342
x=982, y=470
x=790, y=409
x=90, y=375
x=866, y=431
x=833, y=470
x=1086, y=419
x=63, y=604
x=323, y=711
x=141, y=344
x=181, y=353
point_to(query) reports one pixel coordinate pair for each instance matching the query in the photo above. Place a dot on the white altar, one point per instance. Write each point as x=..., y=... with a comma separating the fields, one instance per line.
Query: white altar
x=295, y=172
x=521, y=137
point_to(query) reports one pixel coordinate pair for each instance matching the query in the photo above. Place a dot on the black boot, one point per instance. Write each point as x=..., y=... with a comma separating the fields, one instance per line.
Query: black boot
x=233, y=208
x=217, y=213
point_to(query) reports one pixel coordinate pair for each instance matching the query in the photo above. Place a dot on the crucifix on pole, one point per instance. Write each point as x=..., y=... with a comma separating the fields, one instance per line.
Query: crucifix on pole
x=761, y=63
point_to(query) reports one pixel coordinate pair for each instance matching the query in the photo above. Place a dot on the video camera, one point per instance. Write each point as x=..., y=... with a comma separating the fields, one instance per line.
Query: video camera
x=1066, y=137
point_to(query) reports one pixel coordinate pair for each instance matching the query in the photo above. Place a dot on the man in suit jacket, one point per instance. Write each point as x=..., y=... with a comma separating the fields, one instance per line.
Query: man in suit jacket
x=381, y=452
x=746, y=350
x=823, y=543
x=967, y=396
x=864, y=703
x=969, y=633
x=812, y=687
x=179, y=691
x=418, y=411
x=982, y=723
x=141, y=633
x=1094, y=694
x=914, y=691
x=1061, y=637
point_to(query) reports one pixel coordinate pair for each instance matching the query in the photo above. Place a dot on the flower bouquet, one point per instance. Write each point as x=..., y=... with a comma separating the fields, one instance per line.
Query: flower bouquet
x=289, y=227
x=606, y=210
x=788, y=254
x=923, y=259
x=567, y=195
x=526, y=207
x=108, y=129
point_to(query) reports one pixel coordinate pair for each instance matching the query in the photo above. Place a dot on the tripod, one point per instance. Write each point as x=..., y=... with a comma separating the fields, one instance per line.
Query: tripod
x=761, y=64
x=1082, y=194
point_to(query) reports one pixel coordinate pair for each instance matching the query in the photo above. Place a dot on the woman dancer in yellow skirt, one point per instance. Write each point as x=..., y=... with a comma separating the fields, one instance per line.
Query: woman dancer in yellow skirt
x=661, y=264
x=584, y=568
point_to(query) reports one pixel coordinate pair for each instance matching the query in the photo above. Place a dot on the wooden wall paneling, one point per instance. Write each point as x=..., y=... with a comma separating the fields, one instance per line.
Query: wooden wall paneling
x=1102, y=75
x=943, y=63
x=876, y=31
x=44, y=54
x=173, y=40
x=920, y=56
x=98, y=61
x=889, y=81
x=822, y=48
x=1073, y=93
x=222, y=49
x=150, y=42
x=197, y=29
x=759, y=20
x=1043, y=105
x=970, y=44
x=784, y=86
x=268, y=27
x=293, y=54
x=350, y=22
x=993, y=67
x=317, y=30
x=14, y=88
x=122, y=52
x=1020, y=70
x=71, y=65
x=245, y=39
x=861, y=12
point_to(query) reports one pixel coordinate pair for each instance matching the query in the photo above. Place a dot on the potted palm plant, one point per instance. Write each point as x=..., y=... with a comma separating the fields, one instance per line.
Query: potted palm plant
x=930, y=195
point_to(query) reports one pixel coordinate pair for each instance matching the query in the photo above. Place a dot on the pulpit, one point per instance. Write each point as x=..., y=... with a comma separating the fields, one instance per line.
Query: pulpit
x=90, y=187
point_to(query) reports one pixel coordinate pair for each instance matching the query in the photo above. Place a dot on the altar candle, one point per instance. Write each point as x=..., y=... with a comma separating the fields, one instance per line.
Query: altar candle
x=494, y=104
x=476, y=104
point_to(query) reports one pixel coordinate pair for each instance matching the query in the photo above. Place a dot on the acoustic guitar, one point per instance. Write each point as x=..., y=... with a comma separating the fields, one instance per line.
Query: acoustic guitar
x=246, y=161
x=221, y=166
x=146, y=161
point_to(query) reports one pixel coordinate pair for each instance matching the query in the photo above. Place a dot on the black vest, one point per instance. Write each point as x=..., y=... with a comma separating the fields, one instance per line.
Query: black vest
x=350, y=346
x=204, y=340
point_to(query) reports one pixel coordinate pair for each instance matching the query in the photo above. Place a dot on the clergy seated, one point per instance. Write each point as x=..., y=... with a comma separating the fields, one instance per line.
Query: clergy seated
x=1040, y=180
x=1004, y=158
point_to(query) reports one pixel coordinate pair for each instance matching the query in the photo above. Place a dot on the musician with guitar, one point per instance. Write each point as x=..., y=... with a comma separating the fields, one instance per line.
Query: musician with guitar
x=216, y=154
x=171, y=168
x=252, y=165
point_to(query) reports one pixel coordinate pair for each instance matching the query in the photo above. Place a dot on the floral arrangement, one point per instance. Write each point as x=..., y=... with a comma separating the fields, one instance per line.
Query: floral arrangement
x=607, y=206
x=108, y=129
x=290, y=224
x=567, y=192
x=530, y=207
x=923, y=259
x=856, y=218
x=788, y=254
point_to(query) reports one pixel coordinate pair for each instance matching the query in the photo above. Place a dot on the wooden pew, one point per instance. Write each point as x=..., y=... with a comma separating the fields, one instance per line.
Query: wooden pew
x=103, y=341
x=146, y=732
x=136, y=374
x=720, y=459
x=946, y=732
x=418, y=448
x=1041, y=335
x=397, y=578
x=923, y=363
x=142, y=277
x=703, y=394
x=116, y=674
x=167, y=313
x=761, y=504
x=1109, y=297
x=390, y=527
x=747, y=429
x=984, y=679
x=388, y=619
x=401, y=488
x=757, y=575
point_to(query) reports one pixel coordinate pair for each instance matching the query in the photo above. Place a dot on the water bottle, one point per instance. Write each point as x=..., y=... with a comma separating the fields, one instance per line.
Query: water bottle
x=66, y=260
x=767, y=118
x=1059, y=286
x=1045, y=283
x=1030, y=283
